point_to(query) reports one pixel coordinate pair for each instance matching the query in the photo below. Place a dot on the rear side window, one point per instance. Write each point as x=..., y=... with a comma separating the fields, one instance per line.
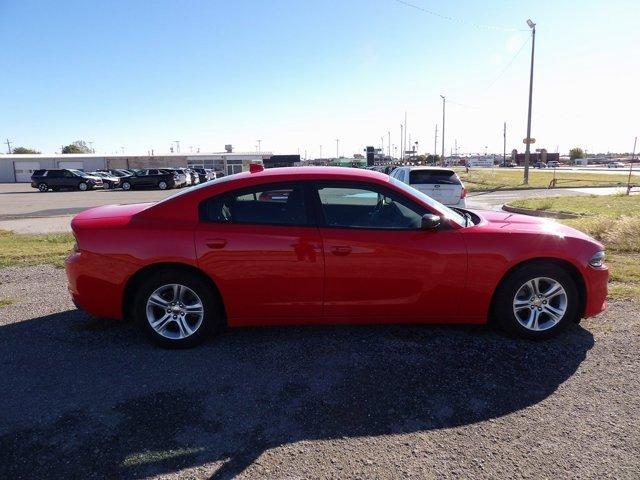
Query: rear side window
x=437, y=177
x=283, y=204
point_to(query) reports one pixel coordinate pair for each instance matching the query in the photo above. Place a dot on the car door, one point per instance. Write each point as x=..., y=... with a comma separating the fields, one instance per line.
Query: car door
x=379, y=264
x=144, y=180
x=69, y=180
x=262, y=248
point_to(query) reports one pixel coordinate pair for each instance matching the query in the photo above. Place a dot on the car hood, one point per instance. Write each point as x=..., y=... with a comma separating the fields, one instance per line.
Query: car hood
x=516, y=223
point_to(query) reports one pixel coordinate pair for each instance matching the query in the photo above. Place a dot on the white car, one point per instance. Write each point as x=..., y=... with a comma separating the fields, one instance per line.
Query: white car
x=441, y=184
x=615, y=165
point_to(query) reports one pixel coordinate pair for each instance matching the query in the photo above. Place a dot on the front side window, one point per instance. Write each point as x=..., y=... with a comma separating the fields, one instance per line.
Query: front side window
x=356, y=206
x=267, y=204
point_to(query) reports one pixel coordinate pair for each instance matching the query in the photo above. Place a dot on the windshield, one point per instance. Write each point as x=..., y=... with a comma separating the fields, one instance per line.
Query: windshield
x=79, y=173
x=446, y=211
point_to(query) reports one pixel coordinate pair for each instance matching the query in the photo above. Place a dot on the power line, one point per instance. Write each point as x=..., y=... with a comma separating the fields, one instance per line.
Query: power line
x=507, y=66
x=457, y=20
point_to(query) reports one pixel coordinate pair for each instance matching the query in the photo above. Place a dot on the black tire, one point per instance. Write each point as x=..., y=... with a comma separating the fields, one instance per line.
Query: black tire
x=83, y=188
x=43, y=187
x=126, y=186
x=503, y=305
x=212, y=319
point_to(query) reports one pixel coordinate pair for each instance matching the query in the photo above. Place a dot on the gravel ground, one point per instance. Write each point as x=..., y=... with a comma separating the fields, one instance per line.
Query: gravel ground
x=88, y=398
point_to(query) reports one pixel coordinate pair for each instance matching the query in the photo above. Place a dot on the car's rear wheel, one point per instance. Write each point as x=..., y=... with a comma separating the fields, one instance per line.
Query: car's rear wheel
x=537, y=301
x=162, y=185
x=126, y=186
x=82, y=186
x=43, y=187
x=176, y=309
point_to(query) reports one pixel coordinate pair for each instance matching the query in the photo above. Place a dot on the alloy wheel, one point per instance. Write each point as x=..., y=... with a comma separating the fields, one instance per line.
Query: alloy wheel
x=174, y=311
x=540, y=304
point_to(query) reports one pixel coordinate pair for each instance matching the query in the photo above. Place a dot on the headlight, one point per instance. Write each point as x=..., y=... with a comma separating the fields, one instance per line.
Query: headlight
x=597, y=260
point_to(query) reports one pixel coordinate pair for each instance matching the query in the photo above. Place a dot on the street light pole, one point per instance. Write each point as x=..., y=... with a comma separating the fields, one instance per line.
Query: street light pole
x=259, y=142
x=504, y=145
x=527, y=152
x=337, y=148
x=444, y=100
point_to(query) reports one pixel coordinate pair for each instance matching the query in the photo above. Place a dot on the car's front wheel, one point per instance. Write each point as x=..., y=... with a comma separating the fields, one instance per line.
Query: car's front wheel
x=126, y=186
x=536, y=301
x=162, y=185
x=43, y=187
x=82, y=186
x=176, y=309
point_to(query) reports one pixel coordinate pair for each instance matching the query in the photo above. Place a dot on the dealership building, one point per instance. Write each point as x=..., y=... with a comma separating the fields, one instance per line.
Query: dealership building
x=19, y=168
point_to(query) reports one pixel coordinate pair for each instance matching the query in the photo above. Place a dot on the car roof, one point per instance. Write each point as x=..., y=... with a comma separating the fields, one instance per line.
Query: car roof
x=425, y=167
x=316, y=172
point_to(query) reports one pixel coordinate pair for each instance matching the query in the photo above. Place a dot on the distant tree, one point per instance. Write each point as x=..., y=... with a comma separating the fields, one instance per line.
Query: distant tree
x=24, y=150
x=79, y=146
x=576, y=153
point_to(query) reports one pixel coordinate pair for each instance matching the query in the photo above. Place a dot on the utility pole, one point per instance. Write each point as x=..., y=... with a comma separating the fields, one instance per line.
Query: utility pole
x=382, y=145
x=177, y=142
x=259, y=142
x=631, y=166
x=435, y=145
x=401, y=149
x=404, y=144
x=389, y=143
x=337, y=148
x=320, y=151
x=444, y=100
x=527, y=152
x=504, y=145
x=8, y=146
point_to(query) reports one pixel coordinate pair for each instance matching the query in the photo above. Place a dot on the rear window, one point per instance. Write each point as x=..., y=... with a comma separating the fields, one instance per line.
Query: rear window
x=439, y=177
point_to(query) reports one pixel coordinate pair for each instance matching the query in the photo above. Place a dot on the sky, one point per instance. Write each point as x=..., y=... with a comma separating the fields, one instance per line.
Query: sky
x=298, y=74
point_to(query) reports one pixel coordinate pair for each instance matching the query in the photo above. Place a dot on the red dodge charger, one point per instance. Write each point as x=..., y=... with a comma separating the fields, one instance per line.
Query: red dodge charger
x=327, y=245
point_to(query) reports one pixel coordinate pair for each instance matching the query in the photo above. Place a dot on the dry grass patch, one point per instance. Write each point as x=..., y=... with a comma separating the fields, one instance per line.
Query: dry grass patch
x=480, y=179
x=26, y=250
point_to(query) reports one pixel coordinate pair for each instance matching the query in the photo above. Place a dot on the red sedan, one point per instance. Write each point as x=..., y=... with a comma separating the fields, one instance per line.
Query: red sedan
x=327, y=245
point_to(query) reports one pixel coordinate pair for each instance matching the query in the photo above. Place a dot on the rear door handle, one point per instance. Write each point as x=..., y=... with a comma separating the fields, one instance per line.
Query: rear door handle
x=216, y=243
x=341, y=250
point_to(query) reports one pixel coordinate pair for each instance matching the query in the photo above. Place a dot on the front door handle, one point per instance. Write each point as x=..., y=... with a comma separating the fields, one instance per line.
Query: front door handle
x=341, y=250
x=216, y=242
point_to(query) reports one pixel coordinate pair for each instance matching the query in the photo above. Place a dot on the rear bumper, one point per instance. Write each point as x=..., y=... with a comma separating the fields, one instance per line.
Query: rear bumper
x=596, y=281
x=96, y=284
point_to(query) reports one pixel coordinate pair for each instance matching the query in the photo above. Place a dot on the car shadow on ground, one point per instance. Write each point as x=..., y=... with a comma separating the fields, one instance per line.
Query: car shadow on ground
x=85, y=397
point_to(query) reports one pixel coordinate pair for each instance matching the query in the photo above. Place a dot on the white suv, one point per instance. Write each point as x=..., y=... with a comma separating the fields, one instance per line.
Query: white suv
x=441, y=184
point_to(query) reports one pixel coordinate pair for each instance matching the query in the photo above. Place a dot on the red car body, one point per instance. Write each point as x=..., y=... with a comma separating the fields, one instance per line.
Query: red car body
x=274, y=274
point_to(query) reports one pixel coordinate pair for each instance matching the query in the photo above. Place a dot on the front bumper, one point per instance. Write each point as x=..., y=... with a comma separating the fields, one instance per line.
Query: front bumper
x=596, y=281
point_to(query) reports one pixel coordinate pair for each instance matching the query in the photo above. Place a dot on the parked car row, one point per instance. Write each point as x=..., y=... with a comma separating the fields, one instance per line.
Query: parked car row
x=127, y=179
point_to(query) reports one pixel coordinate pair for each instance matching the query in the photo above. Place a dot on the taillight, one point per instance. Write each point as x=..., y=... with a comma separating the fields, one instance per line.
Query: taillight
x=463, y=194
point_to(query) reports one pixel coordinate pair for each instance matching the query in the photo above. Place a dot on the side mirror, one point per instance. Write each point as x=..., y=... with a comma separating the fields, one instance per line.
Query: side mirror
x=430, y=221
